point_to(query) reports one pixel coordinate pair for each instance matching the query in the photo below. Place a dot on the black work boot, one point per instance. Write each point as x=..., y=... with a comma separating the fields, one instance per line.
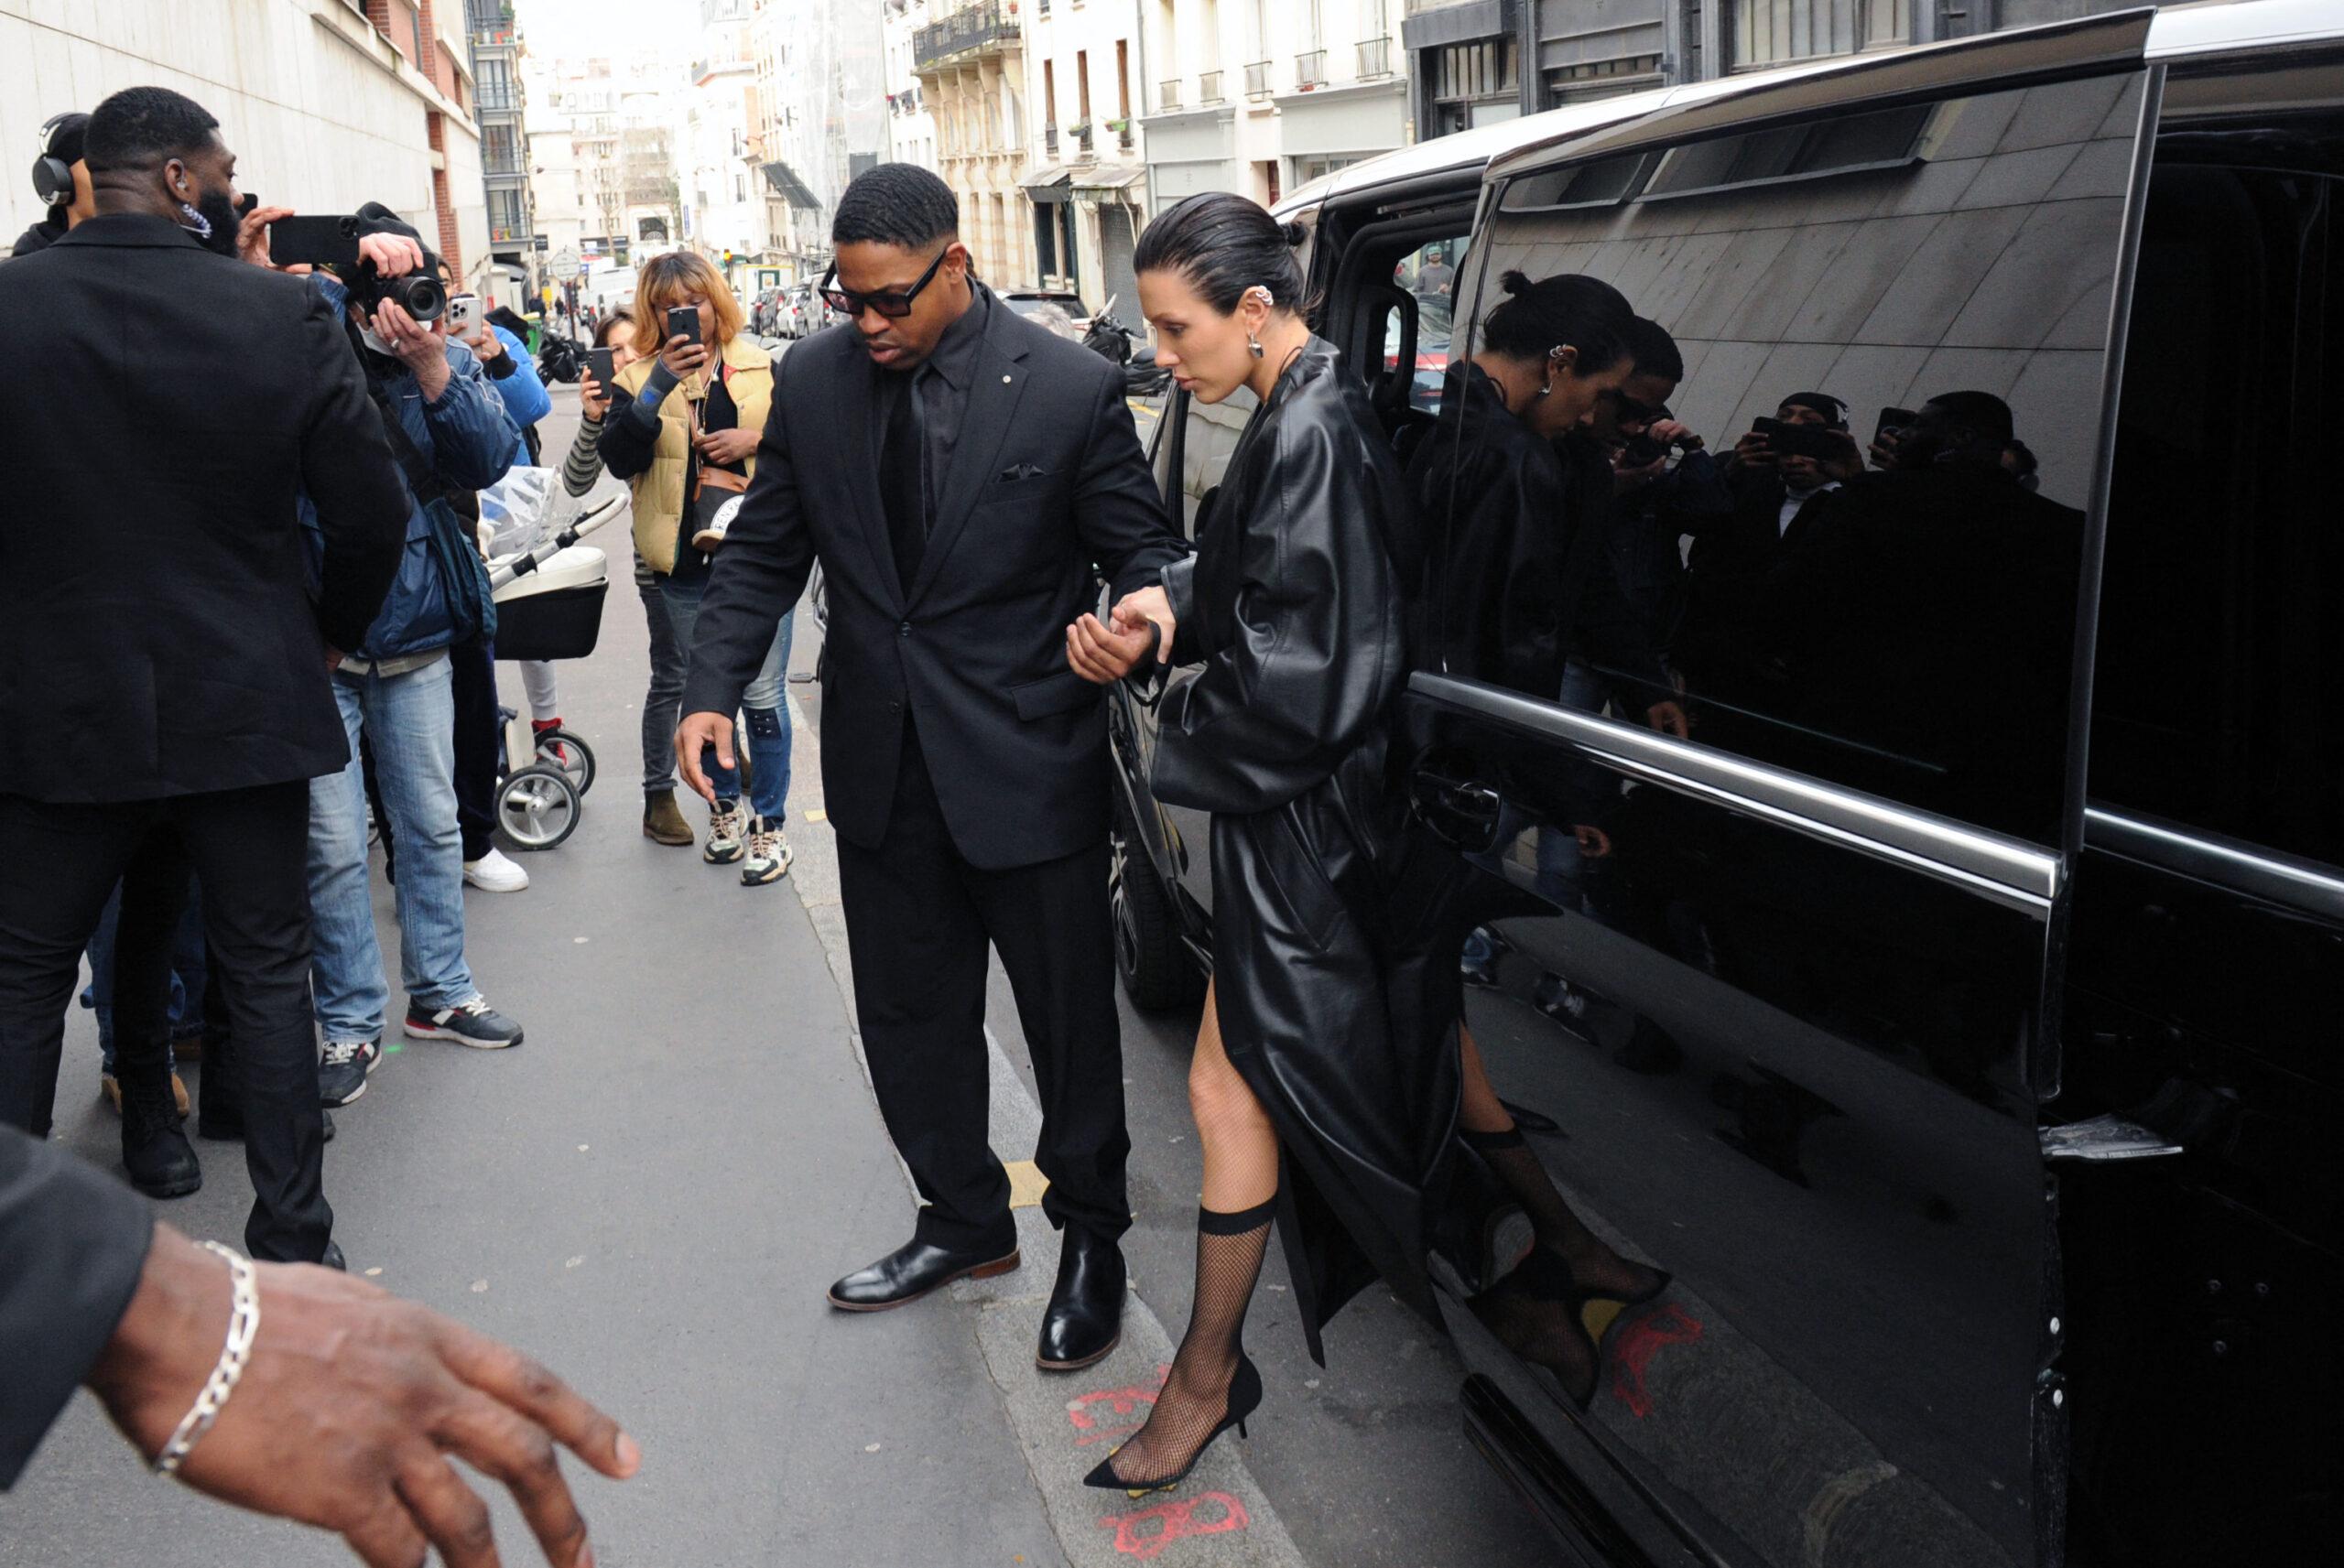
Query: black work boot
x=154, y=1151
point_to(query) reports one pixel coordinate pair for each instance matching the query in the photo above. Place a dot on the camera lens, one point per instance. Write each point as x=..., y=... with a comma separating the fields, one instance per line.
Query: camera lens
x=420, y=296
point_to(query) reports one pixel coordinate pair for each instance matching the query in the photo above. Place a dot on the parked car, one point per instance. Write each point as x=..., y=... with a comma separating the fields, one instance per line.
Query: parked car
x=1954, y=1014
x=1029, y=301
x=765, y=313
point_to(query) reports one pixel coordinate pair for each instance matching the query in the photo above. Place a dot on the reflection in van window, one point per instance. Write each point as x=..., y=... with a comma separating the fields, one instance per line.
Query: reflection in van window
x=1847, y=463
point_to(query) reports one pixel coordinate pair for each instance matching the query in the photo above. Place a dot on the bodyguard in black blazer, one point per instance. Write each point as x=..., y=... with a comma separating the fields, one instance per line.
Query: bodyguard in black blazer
x=964, y=477
x=163, y=655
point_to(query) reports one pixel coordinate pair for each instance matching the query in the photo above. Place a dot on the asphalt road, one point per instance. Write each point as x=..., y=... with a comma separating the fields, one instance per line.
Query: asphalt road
x=652, y=1193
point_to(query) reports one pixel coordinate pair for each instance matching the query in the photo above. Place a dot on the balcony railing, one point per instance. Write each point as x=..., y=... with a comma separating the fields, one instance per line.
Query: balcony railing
x=1374, y=58
x=1167, y=95
x=981, y=26
x=1050, y=141
x=507, y=164
x=498, y=100
x=1208, y=87
x=1310, y=69
x=1258, y=80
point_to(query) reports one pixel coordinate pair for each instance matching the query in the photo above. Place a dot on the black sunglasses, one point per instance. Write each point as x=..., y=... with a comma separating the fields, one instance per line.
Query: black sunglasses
x=892, y=303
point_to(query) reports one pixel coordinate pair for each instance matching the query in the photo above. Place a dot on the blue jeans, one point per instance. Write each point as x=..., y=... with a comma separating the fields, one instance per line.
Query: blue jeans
x=762, y=705
x=188, y=973
x=410, y=720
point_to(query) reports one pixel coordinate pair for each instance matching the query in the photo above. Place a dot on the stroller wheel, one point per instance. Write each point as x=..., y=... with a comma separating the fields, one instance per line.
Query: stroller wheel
x=537, y=807
x=573, y=757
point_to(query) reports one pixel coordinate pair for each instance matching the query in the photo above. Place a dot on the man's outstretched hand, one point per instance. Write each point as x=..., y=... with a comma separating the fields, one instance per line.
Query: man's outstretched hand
x=694, y=736
x=349, y=1409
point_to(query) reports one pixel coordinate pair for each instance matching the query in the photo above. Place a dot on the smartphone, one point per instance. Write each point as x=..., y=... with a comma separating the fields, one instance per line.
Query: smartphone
x=684, y=320
x=1799, y=440
x=1894, y=419
x=599, y=363
x=320, y=241
x=463, y=315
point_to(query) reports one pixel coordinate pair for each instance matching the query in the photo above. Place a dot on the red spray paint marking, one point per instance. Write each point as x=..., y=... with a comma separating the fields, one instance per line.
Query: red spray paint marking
x=1111, y=1413
x=1147, y=1531
x=1638, y=1344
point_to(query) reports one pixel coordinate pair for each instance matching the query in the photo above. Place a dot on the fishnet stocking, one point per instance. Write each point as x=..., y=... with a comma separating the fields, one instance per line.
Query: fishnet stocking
x=1200, y=1391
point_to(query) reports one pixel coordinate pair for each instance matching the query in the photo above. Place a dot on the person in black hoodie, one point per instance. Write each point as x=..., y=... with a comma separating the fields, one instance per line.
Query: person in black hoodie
x=61, y=180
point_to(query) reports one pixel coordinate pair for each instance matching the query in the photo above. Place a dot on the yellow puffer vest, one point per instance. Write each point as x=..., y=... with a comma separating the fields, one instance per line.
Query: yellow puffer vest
x=659, y=489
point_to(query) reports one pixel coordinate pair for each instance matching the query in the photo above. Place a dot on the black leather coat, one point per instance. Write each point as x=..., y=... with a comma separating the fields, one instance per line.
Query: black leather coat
x=1331, y=1003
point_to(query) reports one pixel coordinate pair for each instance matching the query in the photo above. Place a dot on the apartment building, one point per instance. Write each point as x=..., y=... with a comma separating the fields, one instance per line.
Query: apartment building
x=1259, y=96
x=970, y=60
x=1085, y=75
x=911, y=129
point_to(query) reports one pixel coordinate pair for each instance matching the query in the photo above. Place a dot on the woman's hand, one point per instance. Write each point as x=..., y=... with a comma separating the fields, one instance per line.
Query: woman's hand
x=594, y=399
x=732, y=445
x=682, y=356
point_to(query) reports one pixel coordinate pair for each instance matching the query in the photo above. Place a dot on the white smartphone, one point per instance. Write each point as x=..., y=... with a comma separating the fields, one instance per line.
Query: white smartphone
x=463, y=315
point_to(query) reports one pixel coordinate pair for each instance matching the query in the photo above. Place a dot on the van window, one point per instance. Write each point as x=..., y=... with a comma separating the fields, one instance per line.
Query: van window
x=1839, y=529
x=2218, y=692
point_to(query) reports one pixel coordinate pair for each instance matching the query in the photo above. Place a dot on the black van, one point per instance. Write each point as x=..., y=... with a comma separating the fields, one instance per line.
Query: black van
x=1958, y=1015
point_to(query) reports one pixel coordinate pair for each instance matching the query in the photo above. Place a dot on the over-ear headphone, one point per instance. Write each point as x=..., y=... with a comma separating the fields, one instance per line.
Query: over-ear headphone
x=52, y=176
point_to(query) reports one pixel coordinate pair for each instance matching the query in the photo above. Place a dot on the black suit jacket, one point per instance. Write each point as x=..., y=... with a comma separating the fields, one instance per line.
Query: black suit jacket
x=72, y=1242
x=1048, y=487
x=162, y=407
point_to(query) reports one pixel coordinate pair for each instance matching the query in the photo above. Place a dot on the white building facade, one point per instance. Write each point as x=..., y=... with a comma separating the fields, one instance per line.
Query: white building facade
x=911, y=128
x=354, y=111
x=724, y=213
x=1086, y=190
x=1261, y=96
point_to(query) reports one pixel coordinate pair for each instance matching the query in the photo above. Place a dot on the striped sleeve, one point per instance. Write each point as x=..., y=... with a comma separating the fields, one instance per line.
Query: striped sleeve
x=584, y=464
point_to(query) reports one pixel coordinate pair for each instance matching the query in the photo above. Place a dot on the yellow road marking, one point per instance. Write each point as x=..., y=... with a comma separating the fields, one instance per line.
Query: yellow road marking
x=818, y=814
x=1026, y=1182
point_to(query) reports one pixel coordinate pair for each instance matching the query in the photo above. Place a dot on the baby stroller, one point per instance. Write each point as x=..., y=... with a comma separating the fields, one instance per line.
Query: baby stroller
x=549, y=606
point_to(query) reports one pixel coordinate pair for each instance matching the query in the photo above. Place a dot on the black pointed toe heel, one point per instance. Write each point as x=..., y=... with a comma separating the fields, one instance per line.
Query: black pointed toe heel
x=1244, y=1399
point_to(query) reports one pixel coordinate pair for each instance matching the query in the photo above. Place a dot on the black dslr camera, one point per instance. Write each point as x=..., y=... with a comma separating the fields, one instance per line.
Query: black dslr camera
x=420, y=294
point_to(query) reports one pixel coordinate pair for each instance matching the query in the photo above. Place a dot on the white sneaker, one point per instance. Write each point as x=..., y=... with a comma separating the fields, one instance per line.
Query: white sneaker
x=769, y=853
x=727, y=827
x=495, y=872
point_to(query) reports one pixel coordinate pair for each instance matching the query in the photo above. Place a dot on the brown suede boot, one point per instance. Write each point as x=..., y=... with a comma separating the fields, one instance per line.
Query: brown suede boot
x=663, y=823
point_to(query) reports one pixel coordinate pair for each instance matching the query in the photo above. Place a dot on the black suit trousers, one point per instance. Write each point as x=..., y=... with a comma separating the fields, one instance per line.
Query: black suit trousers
x=249, y=848
x=918, y=919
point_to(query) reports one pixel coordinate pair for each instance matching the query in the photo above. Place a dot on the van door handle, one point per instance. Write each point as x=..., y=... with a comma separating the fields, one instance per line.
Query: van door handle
x=1464, y=814
x=2101, y=1138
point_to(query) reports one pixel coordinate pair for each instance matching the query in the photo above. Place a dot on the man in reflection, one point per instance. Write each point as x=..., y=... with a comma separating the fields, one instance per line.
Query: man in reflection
x=1666, y=485
x=1923, y=634
x=1775, y=478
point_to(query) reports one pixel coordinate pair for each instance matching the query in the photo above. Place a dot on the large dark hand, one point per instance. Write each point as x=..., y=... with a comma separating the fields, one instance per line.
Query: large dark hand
x=349, y=1409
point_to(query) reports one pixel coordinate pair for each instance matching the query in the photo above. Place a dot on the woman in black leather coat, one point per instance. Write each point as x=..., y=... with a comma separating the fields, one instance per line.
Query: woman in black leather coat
x=1514, y=500
x=1328, y=1032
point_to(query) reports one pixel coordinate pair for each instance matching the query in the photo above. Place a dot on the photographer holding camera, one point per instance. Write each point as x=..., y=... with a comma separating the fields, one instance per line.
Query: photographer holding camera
x=168, y=698
x=451, y=436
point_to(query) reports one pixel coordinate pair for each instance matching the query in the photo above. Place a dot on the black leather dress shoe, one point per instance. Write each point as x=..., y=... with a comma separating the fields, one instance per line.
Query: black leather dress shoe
x=1085, y=1320
x=911, y=1271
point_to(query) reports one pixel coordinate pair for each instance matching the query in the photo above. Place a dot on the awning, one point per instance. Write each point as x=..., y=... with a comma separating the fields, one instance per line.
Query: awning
x=1046, y=184
x=791, y=188
x=1106, y=182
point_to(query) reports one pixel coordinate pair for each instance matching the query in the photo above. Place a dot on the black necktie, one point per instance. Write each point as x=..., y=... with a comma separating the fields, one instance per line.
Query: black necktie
x=899, y=484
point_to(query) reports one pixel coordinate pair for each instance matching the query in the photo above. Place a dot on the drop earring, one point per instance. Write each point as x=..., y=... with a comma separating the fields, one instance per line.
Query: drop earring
x=1255, y=344
x=1545, y=390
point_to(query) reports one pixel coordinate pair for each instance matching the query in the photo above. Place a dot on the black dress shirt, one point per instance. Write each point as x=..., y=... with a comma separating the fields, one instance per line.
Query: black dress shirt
x=943, y=383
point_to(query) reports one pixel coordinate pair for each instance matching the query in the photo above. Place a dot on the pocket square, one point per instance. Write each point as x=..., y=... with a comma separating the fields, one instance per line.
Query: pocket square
x=1016, y=472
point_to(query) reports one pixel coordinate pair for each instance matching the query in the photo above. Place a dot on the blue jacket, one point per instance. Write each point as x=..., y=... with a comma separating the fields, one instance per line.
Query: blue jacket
x=523, y=394
x=469, y=439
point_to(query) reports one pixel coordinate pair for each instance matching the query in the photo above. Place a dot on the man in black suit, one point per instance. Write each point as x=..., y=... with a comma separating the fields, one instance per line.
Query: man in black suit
x=163, y=659
x=963, y=475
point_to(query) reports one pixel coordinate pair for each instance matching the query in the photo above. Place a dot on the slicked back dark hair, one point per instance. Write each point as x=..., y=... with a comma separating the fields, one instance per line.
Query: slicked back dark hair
x=1569, y=308
x=897, y=204
x=145, y=127
x=1224, y=244
x=1654, y=351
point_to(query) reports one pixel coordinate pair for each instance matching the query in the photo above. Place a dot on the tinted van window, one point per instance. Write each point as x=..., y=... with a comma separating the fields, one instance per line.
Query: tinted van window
x=1877, y=586
x=2218, y=697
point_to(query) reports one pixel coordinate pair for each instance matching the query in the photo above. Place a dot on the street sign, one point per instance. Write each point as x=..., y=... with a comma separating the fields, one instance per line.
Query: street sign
x=545, y=242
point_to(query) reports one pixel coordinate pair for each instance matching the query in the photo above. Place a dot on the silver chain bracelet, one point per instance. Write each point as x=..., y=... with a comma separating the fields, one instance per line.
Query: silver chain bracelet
x=243, y=1323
